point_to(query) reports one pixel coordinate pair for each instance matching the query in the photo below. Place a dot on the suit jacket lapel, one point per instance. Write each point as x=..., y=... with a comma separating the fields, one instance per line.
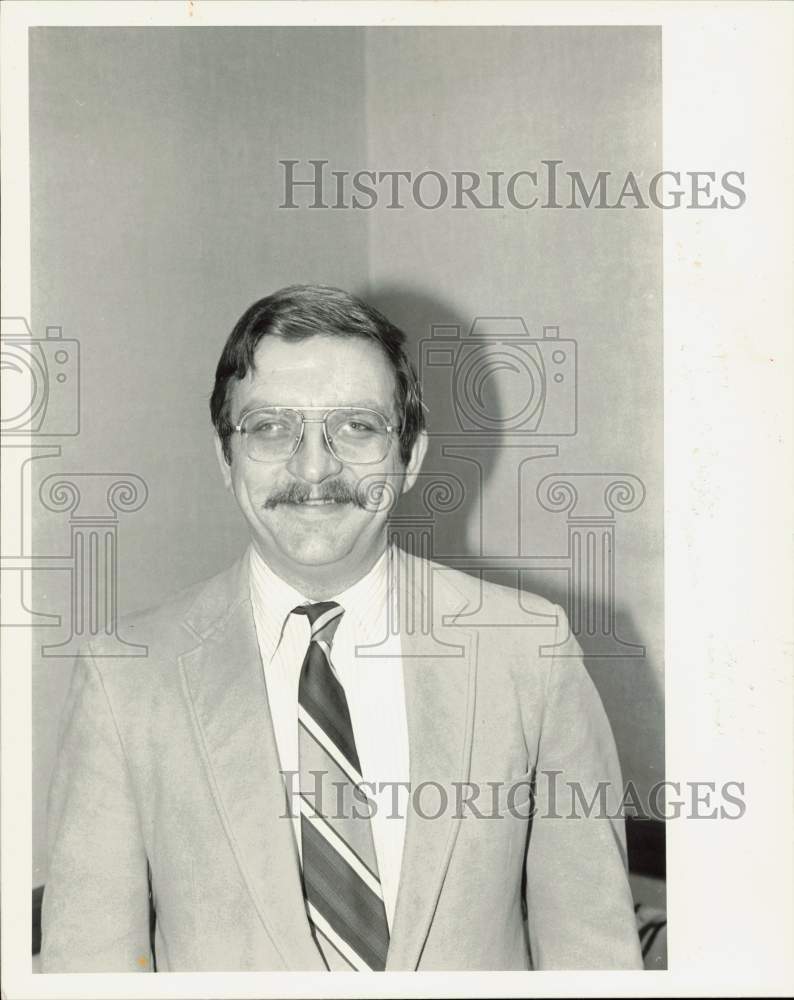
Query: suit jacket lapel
x=439, y=694
x=223, y=682
x=225, y=686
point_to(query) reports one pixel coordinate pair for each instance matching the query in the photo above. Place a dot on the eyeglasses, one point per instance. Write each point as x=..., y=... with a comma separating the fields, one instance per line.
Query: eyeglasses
x=353, y=435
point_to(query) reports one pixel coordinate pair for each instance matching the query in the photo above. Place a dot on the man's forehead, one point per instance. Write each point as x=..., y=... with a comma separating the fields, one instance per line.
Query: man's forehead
x=318, y=371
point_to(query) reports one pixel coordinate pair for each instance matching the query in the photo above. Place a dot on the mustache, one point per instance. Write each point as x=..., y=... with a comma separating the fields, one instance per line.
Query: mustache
x=297, y=493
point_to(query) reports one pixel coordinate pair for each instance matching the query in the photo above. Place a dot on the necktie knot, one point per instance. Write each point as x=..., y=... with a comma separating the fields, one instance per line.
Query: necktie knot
x=324, y=617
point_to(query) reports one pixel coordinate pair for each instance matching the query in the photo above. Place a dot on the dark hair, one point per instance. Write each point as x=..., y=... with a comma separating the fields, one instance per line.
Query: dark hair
x=301, y=311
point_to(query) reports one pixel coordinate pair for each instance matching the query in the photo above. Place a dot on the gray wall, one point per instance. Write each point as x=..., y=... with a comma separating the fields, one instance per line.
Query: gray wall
x=155, y=188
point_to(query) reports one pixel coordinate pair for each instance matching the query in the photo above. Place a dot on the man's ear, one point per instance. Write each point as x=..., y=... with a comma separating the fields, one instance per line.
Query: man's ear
x=417, y=457
x=226, y=469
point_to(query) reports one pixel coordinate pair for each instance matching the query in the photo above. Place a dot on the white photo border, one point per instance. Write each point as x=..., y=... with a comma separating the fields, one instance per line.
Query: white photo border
x=728, y=77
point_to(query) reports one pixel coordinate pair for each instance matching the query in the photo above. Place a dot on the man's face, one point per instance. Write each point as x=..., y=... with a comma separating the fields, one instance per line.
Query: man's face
x=309, y=518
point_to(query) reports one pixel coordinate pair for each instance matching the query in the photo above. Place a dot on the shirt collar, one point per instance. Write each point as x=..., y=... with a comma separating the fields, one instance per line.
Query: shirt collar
x=273, y=599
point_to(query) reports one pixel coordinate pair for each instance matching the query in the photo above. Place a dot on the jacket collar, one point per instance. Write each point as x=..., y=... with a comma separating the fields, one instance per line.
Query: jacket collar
x=219, y=600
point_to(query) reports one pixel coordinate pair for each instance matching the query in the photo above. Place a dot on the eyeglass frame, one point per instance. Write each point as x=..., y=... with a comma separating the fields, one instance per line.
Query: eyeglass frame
x=238, y=428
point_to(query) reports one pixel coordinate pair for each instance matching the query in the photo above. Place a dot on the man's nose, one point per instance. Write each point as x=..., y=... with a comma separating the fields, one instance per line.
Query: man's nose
x=313, y=461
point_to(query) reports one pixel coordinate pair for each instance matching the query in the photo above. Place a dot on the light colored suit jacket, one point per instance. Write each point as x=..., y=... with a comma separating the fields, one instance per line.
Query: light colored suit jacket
x=168, y=775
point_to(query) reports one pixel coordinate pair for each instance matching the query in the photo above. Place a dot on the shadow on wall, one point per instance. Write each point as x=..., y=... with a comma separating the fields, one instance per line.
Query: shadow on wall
x=464, y=463
x=416, y=315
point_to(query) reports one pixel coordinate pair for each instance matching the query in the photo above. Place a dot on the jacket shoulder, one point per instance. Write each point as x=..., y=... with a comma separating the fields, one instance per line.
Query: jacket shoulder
x=190, y=613
x=477, y=590
x=517, y=631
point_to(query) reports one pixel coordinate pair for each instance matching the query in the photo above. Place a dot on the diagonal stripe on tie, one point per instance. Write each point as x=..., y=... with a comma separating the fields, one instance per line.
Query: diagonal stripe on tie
x=328, y=780
x=325, y=934
x=346, y=902
x=340, y=870
x=327, y=746
x=356, y=859
x=324, y=700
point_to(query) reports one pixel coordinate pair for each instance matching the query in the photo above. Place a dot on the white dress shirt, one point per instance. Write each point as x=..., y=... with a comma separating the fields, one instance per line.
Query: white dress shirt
x=373, y=688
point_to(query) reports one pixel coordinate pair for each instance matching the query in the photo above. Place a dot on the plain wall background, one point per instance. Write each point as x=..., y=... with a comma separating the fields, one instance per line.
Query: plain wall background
x=155, y=222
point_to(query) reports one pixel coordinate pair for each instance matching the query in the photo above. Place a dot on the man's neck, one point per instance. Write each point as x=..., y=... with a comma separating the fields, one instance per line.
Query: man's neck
x=319, y=583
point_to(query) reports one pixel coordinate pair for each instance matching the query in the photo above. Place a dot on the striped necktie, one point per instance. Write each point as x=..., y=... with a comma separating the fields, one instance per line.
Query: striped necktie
x=340, y=869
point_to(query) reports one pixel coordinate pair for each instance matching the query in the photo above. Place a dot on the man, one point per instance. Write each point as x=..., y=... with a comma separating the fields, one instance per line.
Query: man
x=303, y=777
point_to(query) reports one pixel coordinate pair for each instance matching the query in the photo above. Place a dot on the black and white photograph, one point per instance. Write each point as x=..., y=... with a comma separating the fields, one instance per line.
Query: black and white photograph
x=373, y=598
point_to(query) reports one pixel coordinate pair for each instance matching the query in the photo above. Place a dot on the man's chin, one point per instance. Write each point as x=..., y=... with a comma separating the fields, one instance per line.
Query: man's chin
x=313, y=554
x=312, y=534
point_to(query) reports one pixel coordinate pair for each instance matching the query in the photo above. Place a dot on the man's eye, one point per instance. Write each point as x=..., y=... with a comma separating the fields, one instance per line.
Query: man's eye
x=357, y=427
x=269, y=428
